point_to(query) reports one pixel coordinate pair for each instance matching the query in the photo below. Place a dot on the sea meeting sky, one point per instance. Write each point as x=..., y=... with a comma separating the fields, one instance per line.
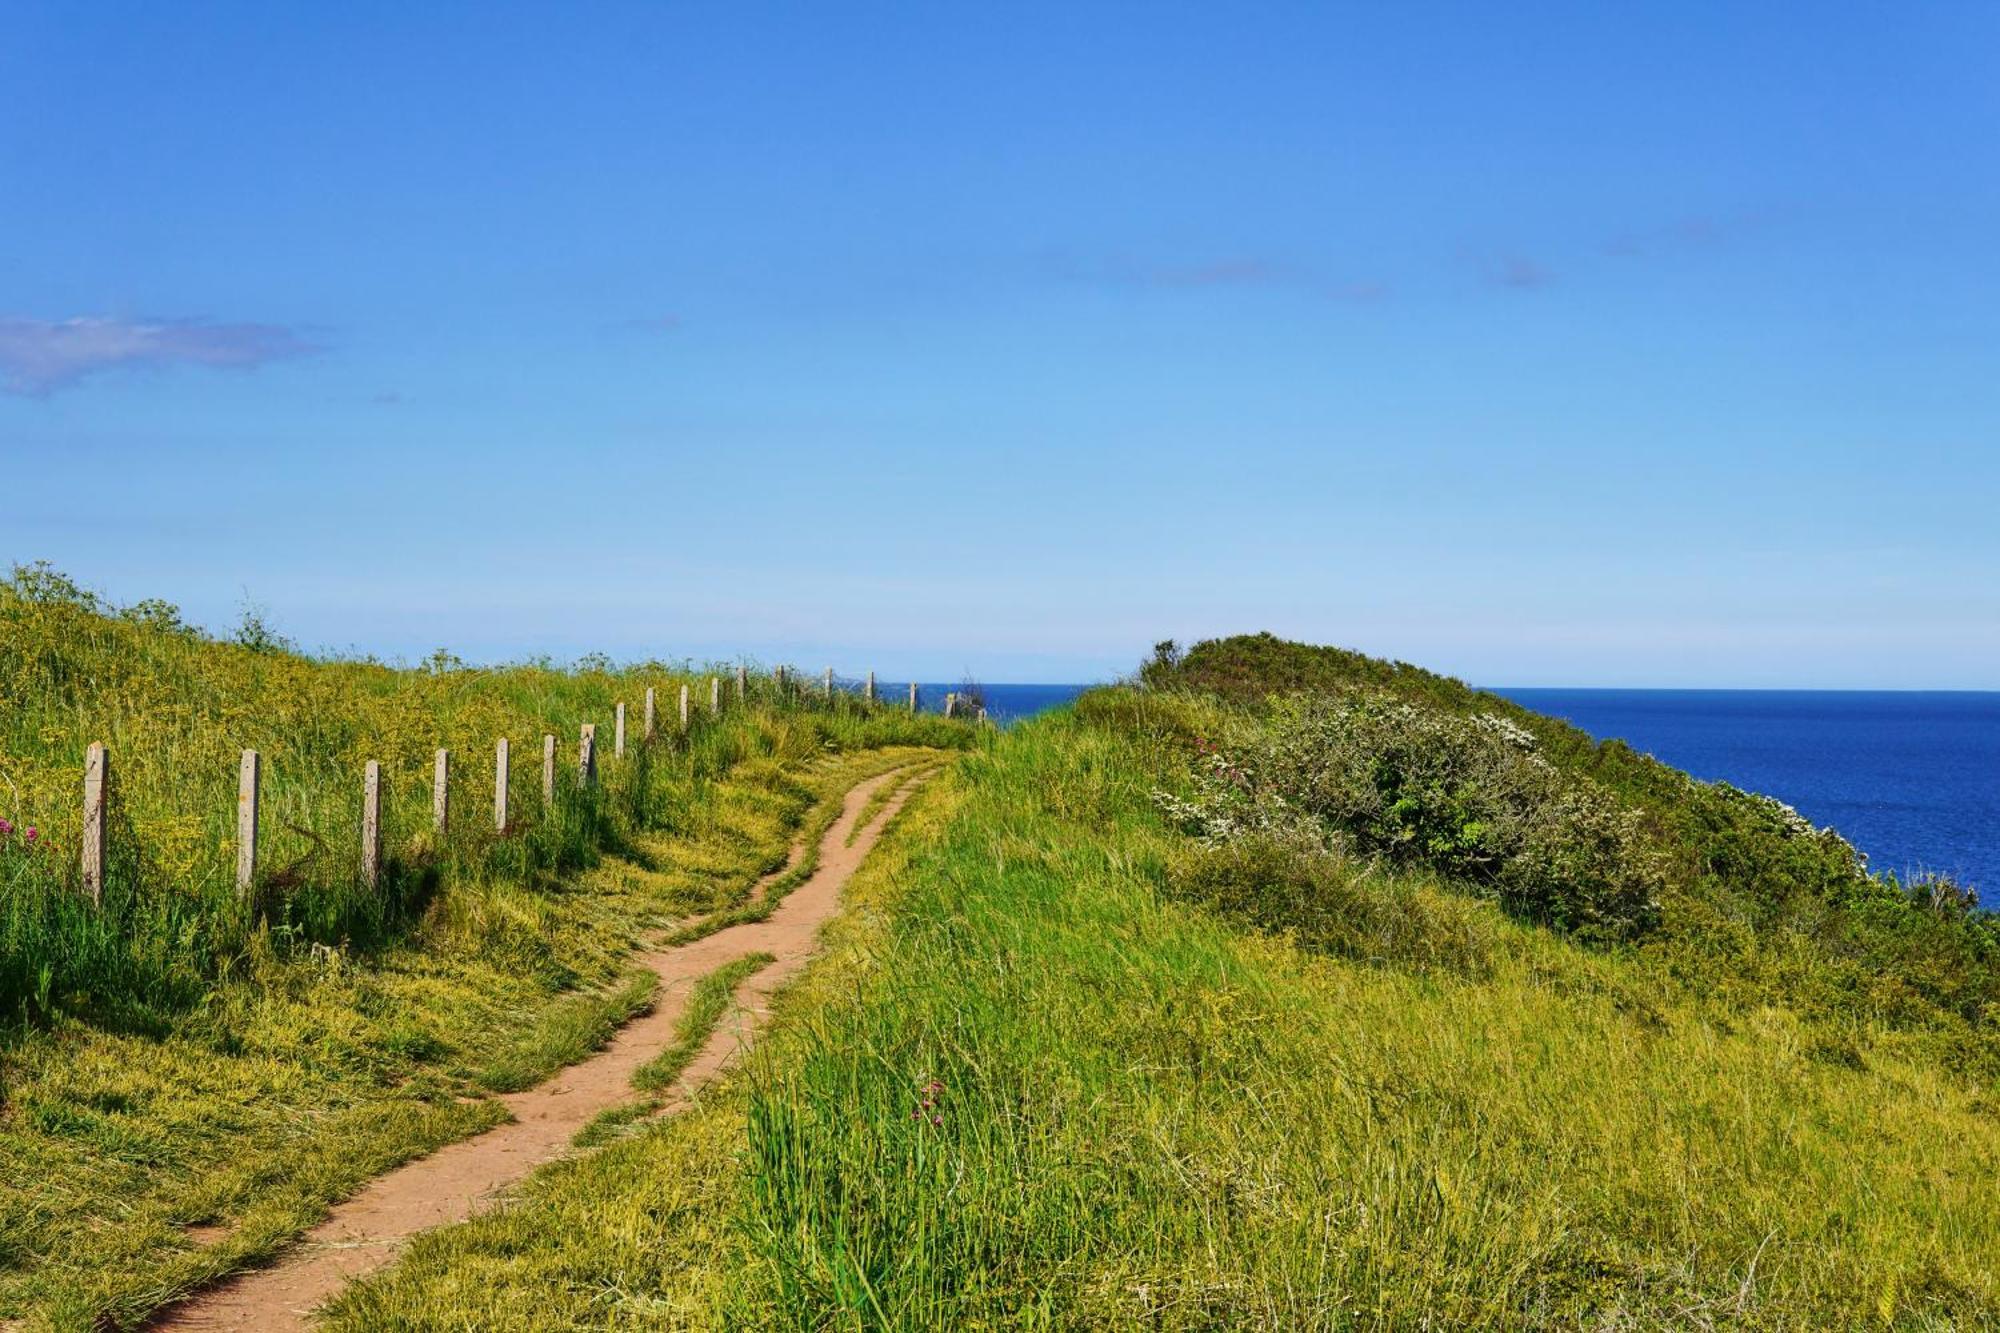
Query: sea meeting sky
x=1571, y=344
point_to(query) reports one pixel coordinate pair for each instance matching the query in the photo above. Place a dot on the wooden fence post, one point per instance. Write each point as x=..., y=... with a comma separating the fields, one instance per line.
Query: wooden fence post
x=441, y=792
x=829, y=684
x=913, y=696
x=714, y=695
x=586, y=755
x=781, y=682
x=371, y=825
x=871, y=687
x=649, y=712
x=950, y=704
x=618, y=734
x=500, y=785
x=247, y=781
x=684, y=708
x=548, y=768
x=96, y=783
x=742, y=683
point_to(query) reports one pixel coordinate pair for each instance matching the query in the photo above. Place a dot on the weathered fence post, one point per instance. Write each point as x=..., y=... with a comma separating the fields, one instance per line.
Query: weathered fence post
x=781, y=682
x=371, y=825
x=500, y=785
x=618, y=734
x=982, y=715
x=247, y=782
x=96, y=784
x=950, y=704
x=649, y=712
x=714, y=695
x=829, y=684
x=684, y=708
x=586, y=755
x=441, y=792
x=548, y=768
x=871, y=687
x=742, y=683
x=913, y=696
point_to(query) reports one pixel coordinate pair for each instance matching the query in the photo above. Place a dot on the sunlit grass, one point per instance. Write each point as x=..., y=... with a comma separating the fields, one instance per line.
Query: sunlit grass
x=1147, y=1116
x=185, y=1082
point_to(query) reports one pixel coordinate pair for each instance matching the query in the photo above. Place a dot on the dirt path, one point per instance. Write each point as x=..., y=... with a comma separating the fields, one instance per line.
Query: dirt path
x=366, y=1231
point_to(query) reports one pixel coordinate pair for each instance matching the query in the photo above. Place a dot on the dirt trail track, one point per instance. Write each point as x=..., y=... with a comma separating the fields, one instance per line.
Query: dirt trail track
x=365, y=1232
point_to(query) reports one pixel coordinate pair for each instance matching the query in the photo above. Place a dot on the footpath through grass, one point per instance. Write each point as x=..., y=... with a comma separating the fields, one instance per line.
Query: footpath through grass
x=1037, y=1083
x=143, y=1165
x=189, y=1076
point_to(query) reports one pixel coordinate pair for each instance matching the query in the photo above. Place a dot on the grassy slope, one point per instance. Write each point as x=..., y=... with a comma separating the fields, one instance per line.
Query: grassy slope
x=184, y=1084
x=1151, y=1117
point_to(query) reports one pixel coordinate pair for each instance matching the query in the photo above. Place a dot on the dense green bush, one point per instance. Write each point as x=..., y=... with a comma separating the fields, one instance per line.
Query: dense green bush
x=1468, y=797
x=1754, y=902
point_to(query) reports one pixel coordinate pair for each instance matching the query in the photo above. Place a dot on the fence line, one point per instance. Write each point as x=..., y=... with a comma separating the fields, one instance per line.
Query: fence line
x=97, y=780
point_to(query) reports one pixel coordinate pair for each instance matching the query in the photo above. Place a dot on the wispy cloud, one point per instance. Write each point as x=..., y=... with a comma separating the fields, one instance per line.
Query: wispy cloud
x=1692, y=232
x=1245, y=271
x=1518, y=272
x=38, y=356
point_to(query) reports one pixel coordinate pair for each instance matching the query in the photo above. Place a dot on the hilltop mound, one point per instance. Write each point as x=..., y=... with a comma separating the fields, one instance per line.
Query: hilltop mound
x=1746, y=894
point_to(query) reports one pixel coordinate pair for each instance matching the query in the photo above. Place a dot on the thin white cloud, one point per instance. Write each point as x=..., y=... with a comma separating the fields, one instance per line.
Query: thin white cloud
x=39, y=356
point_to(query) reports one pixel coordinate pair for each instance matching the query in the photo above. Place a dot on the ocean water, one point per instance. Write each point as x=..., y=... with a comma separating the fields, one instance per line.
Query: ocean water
x=1911, y=778
x=1004, y=703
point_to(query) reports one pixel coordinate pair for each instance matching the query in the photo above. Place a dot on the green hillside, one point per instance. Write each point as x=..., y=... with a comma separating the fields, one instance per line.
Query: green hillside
x=1290, y=989
x=190, y=1075
x=1279, y=988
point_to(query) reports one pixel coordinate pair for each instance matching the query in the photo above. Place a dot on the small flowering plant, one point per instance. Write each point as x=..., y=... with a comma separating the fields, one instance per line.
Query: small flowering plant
x=16, y=837
x=930, y=1103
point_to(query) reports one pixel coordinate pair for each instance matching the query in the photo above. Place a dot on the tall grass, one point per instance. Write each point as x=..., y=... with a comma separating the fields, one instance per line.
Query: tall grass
x=1044, y=1081
x=176, y=707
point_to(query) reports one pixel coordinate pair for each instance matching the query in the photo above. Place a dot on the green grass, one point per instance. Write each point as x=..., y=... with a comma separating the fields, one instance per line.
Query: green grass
x=706, y=1005
x=186, y=1080
x=176, y=707
x=565, y=1031
x=1149, y=1114
x=1061, y=1064
x=748, y=909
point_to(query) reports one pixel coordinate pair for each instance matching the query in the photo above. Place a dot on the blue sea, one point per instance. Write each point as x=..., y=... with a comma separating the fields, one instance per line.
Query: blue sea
x=1911, y=778
x=1004, y=703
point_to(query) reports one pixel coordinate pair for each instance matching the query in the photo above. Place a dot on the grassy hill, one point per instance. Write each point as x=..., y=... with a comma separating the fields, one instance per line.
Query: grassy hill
x=1280, y=988
x=1291, y=989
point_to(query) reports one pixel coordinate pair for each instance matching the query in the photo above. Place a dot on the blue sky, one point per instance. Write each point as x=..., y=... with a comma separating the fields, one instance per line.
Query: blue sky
x=1615, y=345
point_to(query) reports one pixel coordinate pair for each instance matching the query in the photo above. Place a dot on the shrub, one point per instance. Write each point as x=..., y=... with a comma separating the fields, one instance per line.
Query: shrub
x=1466, y=796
